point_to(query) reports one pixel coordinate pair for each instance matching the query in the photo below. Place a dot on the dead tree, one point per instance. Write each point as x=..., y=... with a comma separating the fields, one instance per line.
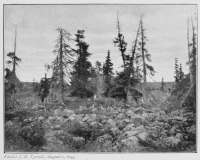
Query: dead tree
x=120, y=42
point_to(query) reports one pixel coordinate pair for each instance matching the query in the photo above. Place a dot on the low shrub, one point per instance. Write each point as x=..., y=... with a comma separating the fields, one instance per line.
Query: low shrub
x=33, y=133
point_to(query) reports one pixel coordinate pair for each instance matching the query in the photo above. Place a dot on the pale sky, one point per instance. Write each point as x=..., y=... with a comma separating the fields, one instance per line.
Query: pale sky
x=166, y=30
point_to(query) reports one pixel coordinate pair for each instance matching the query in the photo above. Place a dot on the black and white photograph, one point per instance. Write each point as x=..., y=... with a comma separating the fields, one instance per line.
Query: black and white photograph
x=100, y=78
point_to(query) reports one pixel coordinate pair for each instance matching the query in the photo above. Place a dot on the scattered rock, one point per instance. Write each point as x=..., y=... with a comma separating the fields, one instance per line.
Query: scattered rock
x=104, y=138
x=129, y=127
x=40, y=118
x=58, y=112
x=111, y=123
x=57, y=127
x=67, y=112
x=130, y=142
x=9, y=123
x=142, y=136
x=82, y=108
x=134, y=131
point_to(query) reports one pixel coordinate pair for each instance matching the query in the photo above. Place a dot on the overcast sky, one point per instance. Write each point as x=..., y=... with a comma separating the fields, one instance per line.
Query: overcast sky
x=166, y=30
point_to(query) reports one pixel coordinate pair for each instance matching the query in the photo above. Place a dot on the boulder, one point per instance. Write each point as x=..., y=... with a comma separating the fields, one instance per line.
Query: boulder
x=129, y=127
x=120, y=116
x=51, y=118
x=111, y=123
x=9, y=123
x=93, y=117
x=121, y=124
x=58, y=112
x=38, y=106
x=57, y=127
x=138, y=120
x=72, y=117
x=82, y=108
x=142, y=136
x=115, y=131
x=85, y=118
x=179, y=136
x=172, y=131
x=130, y=113
x=139, y=110
x=172, y=141
x=40, y=118
x=134, y=131
x=67, y=112
x=77, y=142
x=130, y=142
x=104, y=138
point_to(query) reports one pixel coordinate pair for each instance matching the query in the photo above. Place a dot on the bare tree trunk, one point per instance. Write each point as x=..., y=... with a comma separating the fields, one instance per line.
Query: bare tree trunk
x=121, y=45
x=194, y=52
x=61, y=67
x=131, y=67
x=15, y=45
x=189, y=53
x=143, y=54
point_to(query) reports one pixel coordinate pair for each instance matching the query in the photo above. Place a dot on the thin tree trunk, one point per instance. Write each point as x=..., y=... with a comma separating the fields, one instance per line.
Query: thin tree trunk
x=193, y=67
x=131, y=67
x=61, y=66
x=15, y=45
x=189, y=54
x=143, y=54
x=120, y=42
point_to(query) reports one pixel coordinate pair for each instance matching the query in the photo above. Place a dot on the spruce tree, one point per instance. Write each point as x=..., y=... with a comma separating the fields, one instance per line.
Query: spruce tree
x=146, y=57
x=62, y=64
x=193, y=55
x=192, y=52
x=13, y=59
x=12, y=81
x=107, y=72
x=120, y=42
x=82, y=67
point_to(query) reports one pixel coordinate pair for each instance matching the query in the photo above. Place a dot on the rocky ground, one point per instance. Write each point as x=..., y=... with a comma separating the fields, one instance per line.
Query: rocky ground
x=103, y=125
x=100, y=128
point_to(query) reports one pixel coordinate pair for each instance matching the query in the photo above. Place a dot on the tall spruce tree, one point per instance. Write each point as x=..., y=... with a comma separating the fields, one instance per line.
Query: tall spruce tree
x=107, y=72
x=12, y=81
x=13, y=59
x=62, y=65
x=121, y=81
x=81, y=68
x=146, y=57
x=120, y=42
x=192, y=51
x=193, y=55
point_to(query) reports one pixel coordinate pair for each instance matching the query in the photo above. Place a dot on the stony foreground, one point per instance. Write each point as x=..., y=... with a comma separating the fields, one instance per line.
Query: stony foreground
x=100, y=128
